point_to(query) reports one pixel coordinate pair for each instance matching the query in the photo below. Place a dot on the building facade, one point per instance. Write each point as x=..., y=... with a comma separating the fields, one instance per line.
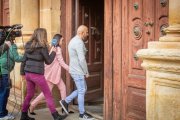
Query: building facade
x=117, y=30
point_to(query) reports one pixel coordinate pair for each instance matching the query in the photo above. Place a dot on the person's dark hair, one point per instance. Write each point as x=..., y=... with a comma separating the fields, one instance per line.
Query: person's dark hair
x=57, y=37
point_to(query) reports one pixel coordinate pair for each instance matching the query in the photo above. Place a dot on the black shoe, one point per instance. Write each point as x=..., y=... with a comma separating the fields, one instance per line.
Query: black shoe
x=64, y=106
x=70, y=112
x=32, y=113
x=24, y=116
x=56, y=116
x=85, y=116
x=62, y=110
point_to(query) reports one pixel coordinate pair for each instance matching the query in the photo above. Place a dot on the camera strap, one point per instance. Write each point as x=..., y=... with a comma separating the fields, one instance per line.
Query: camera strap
x=0, y=78
x=8, y=67
x=0, y=73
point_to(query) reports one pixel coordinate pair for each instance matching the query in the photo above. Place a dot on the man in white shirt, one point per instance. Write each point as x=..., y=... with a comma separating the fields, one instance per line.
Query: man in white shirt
x=78, y=70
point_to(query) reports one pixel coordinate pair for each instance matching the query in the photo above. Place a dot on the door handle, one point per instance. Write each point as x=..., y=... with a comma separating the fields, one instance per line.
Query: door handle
x=94, y=31
x=98, y=49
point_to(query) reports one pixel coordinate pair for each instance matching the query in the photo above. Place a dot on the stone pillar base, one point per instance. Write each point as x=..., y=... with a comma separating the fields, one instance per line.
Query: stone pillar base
x=162, y=62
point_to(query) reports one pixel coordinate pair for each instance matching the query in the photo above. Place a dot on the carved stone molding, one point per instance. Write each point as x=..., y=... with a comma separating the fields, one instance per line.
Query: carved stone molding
x=161, y=54
x=162, y=66
x=162, y=96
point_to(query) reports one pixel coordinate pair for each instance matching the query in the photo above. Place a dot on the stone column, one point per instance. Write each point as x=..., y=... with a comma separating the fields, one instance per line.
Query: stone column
x=50, y=16
x=25, y=12
x=162, y=63
x=173, y=31
x=45, y=16
x=55, y=16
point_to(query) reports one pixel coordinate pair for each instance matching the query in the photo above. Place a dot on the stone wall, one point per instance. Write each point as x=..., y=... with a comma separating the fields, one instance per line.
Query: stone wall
x=31, y=14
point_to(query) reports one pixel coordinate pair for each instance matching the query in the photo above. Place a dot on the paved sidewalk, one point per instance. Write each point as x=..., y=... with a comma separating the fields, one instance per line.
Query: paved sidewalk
x=44, y=114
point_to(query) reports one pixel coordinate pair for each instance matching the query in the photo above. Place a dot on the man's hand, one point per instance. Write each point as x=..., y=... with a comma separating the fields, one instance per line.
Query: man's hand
x=23, y=77
x=87, y=75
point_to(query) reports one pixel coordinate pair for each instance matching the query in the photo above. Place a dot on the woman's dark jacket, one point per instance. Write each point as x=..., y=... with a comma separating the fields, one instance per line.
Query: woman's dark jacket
x=33, y=60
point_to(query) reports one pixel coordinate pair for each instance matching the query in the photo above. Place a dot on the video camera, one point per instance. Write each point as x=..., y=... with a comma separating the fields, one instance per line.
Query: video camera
x=9, y=33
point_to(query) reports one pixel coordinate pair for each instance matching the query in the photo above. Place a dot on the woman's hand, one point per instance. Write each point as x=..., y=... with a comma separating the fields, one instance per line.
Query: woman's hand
x=54, y=49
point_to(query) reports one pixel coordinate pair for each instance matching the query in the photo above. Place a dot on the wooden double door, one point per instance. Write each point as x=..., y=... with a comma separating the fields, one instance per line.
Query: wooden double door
x=117, y=29
x=144, y=21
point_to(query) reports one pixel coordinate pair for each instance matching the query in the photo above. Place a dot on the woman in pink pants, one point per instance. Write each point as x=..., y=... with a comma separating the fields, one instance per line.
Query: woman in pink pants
x=53, y=73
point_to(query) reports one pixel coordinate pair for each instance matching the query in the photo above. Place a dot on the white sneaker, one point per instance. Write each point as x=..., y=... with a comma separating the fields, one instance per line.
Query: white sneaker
x=8, y=117
x=85, y=116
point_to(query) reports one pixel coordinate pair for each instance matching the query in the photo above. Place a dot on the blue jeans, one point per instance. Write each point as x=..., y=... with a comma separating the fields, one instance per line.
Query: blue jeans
x=80, y=92
x=4, y=94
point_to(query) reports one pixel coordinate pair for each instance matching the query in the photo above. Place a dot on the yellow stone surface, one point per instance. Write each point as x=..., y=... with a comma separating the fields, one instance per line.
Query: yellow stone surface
x=162, y=101
x=162, y=63
x=31, y=14
x=174, y=15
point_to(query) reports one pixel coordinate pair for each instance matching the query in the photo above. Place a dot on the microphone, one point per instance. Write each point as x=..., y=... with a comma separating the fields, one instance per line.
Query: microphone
x=15, y=26
x=54, y=42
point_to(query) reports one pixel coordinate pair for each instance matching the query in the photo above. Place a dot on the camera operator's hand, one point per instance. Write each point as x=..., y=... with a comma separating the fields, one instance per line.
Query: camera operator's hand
x=8, y=43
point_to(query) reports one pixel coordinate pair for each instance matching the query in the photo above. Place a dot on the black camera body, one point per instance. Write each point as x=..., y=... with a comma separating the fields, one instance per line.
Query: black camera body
x=9, y=33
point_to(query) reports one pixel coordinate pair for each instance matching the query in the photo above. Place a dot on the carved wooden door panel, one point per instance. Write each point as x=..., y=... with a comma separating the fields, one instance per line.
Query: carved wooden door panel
x=91, y=15
x=144, y=21
x=5, y=12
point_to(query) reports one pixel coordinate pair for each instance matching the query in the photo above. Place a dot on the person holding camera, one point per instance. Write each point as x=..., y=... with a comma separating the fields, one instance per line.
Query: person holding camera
x=36, y=54
x=7, y=62
x=53, y=73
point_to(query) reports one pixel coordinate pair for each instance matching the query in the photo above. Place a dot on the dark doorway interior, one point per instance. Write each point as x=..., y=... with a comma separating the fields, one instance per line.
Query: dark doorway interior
x=91, y=14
